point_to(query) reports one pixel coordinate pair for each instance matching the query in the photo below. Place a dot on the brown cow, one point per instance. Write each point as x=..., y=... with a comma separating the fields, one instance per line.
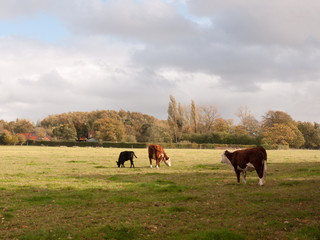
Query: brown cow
x=156, y=152
x=247, y=160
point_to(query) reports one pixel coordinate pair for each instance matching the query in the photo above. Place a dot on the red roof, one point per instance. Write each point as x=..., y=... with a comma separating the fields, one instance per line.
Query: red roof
x=32, y=136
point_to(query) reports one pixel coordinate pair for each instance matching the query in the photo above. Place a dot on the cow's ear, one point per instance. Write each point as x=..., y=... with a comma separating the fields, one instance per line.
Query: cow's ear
x=226, y=152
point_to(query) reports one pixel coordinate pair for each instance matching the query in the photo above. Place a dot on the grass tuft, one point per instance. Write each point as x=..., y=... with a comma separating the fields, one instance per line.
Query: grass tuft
x=119, y=232
x=223, y=234
x=309, y=233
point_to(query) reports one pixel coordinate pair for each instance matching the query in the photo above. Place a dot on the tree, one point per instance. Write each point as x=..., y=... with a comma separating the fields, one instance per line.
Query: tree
x=248, y=121
x=194, y=117
x=222, y=125
x=40, y=131
x=278, y=134
x=209, y=113
x=6, y=138
x=21, y=139
x=311, y=134
x=152, y=133
x=64, y=132
x=108, y=129
x=276, y=125
x=79, y=121
x=173, y=117
x=23, y=126
x=276, y=117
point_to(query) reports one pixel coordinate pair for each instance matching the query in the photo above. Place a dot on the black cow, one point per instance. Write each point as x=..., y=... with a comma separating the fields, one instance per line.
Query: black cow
x=125, y=156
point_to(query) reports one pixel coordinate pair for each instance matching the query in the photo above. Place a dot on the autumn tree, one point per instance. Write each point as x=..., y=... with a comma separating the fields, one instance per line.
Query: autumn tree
x=21, y=139
x=248, y=121
x=208, y=113
x=109, y=129
x=279, y=134
x=64, y=132
x=153, y=133
x=280, y=128
x=284, y=134
x=23, y=126
x=276, y=117
x=222, y=125
x=175, y=118
x=194, y=117
x=6, y=138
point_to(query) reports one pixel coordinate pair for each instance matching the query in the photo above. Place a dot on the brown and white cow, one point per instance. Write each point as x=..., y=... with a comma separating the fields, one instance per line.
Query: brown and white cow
x=247, y=160
x=156, y=152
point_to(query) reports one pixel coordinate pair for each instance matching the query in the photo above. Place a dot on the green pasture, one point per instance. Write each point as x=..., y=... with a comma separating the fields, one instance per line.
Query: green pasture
x=79, y=193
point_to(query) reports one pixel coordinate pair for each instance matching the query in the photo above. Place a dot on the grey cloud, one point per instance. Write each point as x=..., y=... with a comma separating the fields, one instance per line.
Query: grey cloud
x=288, y=22
x=154, y=21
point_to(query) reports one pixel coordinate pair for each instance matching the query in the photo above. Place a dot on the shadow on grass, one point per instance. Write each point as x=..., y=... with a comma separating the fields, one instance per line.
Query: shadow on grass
x=98, y=212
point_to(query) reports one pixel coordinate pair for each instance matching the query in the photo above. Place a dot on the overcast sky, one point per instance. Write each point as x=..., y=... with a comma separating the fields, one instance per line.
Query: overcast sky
x=79, y=55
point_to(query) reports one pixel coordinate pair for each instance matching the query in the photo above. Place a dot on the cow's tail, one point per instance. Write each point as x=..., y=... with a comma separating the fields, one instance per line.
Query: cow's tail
x=264, y=171
x=134, y=155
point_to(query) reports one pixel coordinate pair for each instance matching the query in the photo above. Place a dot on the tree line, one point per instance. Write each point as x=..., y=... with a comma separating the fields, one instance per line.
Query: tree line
x=186, y=123
x=203, y=124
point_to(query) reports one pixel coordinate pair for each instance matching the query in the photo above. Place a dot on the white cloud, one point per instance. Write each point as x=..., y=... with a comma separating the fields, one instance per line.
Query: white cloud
x=132, y=55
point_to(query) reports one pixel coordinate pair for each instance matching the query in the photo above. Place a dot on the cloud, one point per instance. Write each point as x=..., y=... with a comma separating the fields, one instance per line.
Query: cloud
x=129, y=20
x=132, y=55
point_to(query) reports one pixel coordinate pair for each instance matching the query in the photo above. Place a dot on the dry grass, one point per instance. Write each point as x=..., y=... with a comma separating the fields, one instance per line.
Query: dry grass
x=79, y=193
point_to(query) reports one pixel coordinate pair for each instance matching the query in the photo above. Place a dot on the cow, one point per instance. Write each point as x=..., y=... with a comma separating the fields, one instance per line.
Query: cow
x=156, y=152
x=247, y=160
x=125, y=156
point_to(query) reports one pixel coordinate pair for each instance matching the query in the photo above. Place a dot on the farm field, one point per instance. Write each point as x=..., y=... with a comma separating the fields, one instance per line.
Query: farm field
x=79, y=193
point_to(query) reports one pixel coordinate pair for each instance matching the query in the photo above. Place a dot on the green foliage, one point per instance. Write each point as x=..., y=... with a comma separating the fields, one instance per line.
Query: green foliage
x=6, y=138
x=64, y=132
x=309, y=233
x=311, y=134
x=223, y=138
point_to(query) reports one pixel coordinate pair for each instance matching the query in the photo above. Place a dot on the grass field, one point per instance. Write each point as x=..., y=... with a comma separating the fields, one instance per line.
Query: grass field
x=79, y=193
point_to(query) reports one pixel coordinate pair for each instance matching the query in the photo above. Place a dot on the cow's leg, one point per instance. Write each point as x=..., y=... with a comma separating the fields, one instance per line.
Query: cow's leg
x=264, y=172
x=260, y=170
x=238, y=175
x=244, y=174
x=150, y=162
x=132, y=165
x=158, y=162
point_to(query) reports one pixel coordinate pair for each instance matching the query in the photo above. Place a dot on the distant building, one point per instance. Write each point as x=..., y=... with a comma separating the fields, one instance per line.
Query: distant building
x=34, y=137
x=91, y=136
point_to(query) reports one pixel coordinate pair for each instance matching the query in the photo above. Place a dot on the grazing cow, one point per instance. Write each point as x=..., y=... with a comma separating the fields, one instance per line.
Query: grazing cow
x=156, y=152
x=125, y=156
x=247, y=160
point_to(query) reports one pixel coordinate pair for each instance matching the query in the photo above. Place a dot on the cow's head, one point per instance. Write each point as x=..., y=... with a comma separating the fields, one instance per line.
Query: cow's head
x=167, y=162
x=118, y=163
x=224, y=158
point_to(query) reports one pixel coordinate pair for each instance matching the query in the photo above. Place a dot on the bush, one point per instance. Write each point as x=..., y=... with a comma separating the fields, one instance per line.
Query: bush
x=134, y=145
x=223, y=138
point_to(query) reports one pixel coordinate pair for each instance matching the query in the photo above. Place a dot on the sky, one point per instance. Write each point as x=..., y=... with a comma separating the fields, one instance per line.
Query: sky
x=79, y=55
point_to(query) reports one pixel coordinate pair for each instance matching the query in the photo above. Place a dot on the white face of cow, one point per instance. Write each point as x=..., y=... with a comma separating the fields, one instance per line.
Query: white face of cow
x=167, y=162
x=225, y=160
